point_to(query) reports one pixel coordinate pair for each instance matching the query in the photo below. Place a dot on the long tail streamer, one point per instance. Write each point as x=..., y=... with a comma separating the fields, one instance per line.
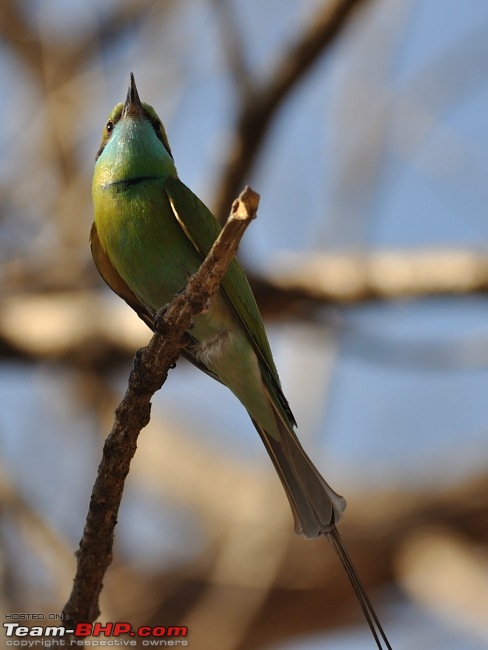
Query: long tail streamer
x=368, y=609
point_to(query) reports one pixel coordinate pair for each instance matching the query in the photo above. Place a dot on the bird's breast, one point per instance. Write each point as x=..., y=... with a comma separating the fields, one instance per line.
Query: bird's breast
x=144, y=241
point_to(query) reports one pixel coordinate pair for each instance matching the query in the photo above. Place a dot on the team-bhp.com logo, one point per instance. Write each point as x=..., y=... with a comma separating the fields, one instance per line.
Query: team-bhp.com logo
x=120, y=634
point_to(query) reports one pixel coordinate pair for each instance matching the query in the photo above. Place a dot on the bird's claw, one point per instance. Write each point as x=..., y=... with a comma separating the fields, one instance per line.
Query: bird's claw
x=186, y=341
x=206, y=308
x=159, y=325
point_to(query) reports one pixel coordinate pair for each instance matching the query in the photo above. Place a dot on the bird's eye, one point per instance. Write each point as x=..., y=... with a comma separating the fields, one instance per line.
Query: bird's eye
x=110, y=126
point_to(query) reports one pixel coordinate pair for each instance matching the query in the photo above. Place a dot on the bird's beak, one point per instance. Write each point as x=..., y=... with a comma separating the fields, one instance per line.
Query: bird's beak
x=133, y=105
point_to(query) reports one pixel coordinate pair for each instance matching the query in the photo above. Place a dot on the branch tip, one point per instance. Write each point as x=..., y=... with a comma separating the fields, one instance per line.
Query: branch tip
x=245, y=207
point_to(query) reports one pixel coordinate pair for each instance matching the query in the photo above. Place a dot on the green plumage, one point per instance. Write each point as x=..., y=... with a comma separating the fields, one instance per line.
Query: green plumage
x=150, y=234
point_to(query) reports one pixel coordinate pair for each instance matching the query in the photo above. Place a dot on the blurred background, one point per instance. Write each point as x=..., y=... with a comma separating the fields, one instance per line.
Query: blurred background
x=363, y=124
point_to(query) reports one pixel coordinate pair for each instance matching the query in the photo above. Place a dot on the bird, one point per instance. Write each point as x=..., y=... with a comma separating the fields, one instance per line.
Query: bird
x=150, y=234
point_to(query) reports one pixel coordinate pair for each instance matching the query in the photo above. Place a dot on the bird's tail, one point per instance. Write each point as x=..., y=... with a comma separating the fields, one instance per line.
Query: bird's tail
x=317, y=509
x=361, y=594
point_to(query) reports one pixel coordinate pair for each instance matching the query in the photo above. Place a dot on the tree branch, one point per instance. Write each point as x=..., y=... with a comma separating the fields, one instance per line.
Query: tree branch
x=149, y=372
x=261, y=102
x=351, y=277
x=295, y=284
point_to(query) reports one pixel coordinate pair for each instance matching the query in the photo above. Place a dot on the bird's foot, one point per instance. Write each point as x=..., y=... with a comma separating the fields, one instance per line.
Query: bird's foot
x=159, y=323
x=187, y=340
x=206, y=307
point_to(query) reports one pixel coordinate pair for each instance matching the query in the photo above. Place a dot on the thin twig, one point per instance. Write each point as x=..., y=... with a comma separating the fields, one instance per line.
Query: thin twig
x=151, y=365
x=234, y=49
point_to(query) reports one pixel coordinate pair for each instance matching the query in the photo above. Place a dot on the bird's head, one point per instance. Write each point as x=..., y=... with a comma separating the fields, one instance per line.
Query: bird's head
x=134, y=142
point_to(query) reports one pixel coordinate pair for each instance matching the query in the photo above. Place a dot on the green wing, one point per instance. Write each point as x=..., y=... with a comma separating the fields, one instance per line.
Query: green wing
x=115, y=282
x=202, y=229
x=121, y=288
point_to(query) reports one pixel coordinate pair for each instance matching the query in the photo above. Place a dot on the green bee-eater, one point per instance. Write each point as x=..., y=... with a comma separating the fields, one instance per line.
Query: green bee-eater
x=150, y=234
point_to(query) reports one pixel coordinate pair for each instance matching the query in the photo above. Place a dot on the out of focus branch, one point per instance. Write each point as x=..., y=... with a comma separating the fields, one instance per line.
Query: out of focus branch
x=234, y=49
x=261, y=100
x=149, y=372
x=384, y=275
x=65, y=57
x=71, y=324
